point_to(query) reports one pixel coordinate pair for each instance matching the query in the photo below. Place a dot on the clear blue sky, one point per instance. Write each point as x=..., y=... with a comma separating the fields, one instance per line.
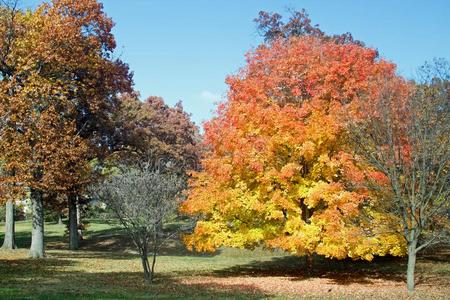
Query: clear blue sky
x=183, y=50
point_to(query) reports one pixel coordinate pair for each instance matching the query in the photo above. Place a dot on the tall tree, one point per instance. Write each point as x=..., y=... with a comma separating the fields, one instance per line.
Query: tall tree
x=60, y=83
x=8, y=28
x=96, y=78
x=279, y=172
x=406, y=136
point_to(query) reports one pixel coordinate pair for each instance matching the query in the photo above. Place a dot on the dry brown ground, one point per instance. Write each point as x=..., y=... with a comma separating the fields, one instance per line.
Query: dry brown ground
x=383, y=279
x=324, y=288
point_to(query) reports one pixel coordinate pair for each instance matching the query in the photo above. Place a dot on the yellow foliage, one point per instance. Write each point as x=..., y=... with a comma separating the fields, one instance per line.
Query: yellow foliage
x=279, y=173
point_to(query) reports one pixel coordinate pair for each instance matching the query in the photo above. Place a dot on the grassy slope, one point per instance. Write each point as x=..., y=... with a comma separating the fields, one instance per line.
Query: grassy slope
x=106, y=267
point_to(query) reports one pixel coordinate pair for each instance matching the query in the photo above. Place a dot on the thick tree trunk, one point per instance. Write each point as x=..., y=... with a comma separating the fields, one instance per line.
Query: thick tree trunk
x=73, y=222
x=79, y=222
x=411, y=265
x=37, y=232
x=10, y=240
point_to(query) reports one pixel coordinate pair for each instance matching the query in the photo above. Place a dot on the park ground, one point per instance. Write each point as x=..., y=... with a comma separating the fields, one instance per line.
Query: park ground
x=107, y=268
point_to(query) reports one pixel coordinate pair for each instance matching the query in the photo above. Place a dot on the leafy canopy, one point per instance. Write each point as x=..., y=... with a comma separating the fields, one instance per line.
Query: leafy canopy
x=279, y=171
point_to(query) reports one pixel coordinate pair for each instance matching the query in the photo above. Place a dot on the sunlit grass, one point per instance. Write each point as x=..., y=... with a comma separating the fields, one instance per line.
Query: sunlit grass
x=106, y=267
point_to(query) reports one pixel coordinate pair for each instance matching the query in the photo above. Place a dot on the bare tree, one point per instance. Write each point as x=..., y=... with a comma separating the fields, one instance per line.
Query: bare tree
x=143, y=199
x=406, y=136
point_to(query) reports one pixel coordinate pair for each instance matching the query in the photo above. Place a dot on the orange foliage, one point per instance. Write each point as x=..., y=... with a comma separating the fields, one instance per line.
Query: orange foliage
x=278, y=172
x=58, y=80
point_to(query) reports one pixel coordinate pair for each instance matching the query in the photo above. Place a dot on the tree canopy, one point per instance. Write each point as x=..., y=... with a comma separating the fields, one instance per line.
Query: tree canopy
x=279, y=172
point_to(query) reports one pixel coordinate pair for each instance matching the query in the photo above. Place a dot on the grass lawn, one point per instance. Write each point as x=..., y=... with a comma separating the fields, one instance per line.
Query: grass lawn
x=107, y=268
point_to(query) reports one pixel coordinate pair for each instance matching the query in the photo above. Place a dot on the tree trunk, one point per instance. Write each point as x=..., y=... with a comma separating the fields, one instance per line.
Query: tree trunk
x=78, y=212
x=79, y=222
x=60, y=219
x=37, y=232
x=309, y=263
x=152, y=271
x=155, y=250
x=10, y=239
x=145, y=265
x=73, y=222
x=411, y=265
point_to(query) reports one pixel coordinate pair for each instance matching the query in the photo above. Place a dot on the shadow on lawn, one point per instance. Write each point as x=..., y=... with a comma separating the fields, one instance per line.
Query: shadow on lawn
x=49, y=279
x=23, y=240
x=338, y=271
x=117, y=240
x=23, y=270
x=94, y=255
x=114, y=242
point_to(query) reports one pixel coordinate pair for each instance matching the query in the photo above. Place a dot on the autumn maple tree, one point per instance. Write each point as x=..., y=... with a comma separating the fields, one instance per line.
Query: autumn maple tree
x=279, y=172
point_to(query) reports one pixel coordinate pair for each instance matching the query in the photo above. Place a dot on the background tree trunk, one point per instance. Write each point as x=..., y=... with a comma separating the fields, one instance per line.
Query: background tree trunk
x=10, y=239
x=37, y=232
x=60, y=219
x=411, y=265
x=73, y=222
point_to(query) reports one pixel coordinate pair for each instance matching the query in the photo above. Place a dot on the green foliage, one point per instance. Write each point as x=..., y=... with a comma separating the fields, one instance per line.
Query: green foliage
x=97, y=211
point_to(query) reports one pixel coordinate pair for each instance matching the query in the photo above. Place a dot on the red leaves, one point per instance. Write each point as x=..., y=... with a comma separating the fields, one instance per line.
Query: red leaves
x=153, y=130
x=282, y=137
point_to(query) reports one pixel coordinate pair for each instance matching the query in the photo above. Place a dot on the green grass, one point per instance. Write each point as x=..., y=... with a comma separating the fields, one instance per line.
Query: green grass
x=106, y=267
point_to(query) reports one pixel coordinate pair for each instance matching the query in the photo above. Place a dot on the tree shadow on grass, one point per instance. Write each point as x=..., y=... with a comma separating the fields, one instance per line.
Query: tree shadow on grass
x=175, y=247
x=50, y=279
x=107, y=240
x=437, y=254
x=83, y=254
x=20, y=271
x=23, y=240
x=341, y=272
x=114, y=242
x=118, y=240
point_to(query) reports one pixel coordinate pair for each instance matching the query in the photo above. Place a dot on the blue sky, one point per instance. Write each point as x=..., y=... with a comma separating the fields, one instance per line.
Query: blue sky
x=183, y=50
